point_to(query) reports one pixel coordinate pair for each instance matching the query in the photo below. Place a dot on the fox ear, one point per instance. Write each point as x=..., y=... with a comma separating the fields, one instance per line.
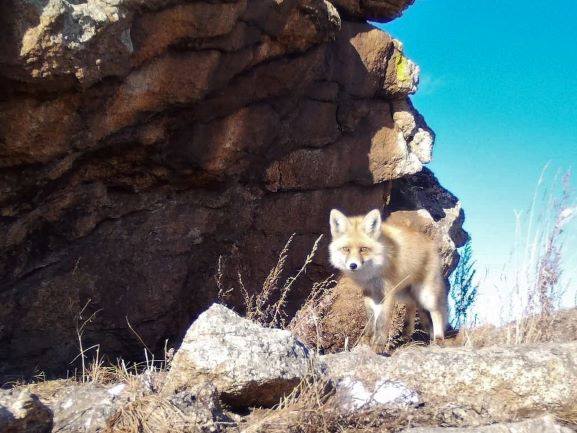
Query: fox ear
x=339, y=223
x=372, y=223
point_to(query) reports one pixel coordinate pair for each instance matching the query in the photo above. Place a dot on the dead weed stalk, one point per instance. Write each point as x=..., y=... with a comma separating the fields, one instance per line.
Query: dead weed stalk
x=268, y=306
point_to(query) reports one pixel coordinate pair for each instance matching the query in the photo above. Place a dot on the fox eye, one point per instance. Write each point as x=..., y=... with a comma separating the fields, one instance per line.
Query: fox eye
x=345, y=249
x=364, y=249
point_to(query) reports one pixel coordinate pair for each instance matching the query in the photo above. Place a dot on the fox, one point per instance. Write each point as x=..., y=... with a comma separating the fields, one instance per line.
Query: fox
x=392, y=264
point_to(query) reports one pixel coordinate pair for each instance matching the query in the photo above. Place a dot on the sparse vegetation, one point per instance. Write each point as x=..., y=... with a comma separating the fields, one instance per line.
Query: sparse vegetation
x=268, y=306
x=313, y=408
x=531, y=287
x=464, y=287
x=307, y=324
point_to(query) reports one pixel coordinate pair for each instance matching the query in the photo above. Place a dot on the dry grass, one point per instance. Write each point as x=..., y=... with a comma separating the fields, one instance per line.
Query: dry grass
x=531, y=287
x=309, y=322
x=536, y=276
x=268, y=306
x=313, y=408
x=151, y=414
x=568, y=415
x=306, y=408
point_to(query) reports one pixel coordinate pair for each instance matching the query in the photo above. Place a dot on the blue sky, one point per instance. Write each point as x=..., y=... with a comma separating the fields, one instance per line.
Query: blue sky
x=499, y=87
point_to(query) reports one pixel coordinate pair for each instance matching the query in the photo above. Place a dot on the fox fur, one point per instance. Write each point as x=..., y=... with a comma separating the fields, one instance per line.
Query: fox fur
x=392, y=264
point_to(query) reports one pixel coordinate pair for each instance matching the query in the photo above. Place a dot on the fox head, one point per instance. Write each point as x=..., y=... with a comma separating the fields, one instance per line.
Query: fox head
x=356, y=247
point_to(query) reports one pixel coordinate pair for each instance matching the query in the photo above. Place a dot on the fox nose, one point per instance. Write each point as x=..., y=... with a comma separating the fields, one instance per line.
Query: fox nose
x=353, y=266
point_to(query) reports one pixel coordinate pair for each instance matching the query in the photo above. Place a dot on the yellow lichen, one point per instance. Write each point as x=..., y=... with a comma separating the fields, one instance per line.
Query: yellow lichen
x=402, y=68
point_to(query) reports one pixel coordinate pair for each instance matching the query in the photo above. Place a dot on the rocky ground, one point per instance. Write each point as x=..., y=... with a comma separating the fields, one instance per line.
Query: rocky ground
x=233, y=375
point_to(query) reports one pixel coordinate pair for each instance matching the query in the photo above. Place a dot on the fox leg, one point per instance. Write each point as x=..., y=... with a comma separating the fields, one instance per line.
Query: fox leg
x=439, y=318
x=383, y=324
x=440, y=314
x=433, y=298
x=425, y=320
x=409, y=325
x=373, y=309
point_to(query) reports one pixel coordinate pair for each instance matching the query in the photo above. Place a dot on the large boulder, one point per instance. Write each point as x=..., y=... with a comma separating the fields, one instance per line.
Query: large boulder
x=250, y=365
x=143, y=143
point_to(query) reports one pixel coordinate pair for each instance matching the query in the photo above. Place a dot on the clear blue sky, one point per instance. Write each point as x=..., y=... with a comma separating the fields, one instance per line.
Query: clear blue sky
x=499, y=87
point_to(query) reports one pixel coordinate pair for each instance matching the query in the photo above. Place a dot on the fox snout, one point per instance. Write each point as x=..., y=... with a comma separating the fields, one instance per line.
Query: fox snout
x=353, y=261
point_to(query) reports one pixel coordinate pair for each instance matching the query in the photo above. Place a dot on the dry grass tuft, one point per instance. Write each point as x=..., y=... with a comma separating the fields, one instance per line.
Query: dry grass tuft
x=307, y=408
x=531, y=287
x=309, y=322
x=151, y=414
x=313, y=408
x=537, y=267
x=268, y=306
x=568, y=415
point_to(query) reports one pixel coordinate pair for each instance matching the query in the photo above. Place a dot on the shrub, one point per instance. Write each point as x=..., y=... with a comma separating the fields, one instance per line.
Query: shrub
x=464, y=287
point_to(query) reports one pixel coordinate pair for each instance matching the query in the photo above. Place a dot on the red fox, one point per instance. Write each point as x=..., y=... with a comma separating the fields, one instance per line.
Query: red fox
x=391, y=264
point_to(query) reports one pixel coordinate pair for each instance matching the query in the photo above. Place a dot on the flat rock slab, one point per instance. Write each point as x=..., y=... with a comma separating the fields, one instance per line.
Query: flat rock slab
x=84, y=408
x=504, y=383
x=250, y=365
x=545, y=424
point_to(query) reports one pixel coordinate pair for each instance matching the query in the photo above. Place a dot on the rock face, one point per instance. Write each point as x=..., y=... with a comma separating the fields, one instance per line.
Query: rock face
x=142, y=143
x=249, y=365
x=376, y=10
x=494, y=384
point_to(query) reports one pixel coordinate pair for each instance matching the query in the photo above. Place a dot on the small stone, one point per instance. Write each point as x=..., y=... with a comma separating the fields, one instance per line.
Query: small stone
x=22, y=412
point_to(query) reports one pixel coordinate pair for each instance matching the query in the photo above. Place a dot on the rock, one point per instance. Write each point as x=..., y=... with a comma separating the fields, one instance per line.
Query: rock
x=85, y=408
x=61, y=43
x=361, y=361
x=352, y=395
x=419, y=201
x=200, y=406
x=375, y=10
x=402, y=76
x=414, y=129
x=22, y=412
x=126, y=178
x=501, y=383
x=537, y=425
x=249, y=365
